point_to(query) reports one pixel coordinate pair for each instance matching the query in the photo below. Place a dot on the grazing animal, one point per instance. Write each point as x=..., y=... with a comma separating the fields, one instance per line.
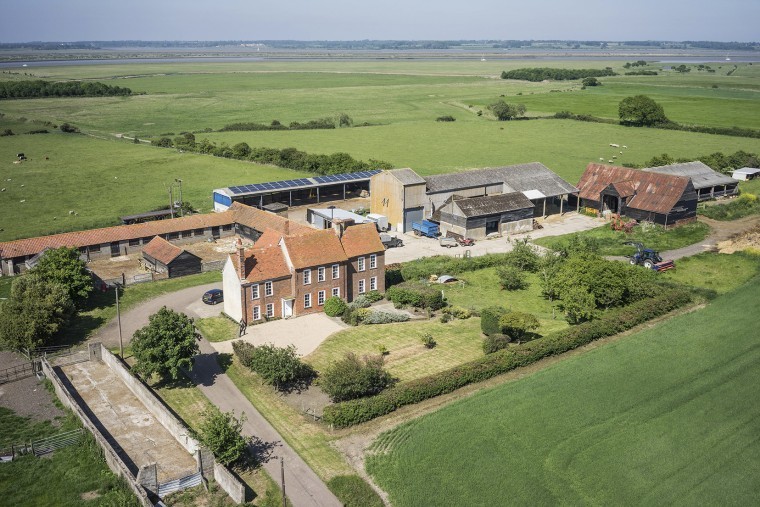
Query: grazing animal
x=615, y=145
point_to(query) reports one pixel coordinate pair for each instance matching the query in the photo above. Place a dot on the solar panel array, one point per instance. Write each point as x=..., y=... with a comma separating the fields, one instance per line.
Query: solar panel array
x=274, y=186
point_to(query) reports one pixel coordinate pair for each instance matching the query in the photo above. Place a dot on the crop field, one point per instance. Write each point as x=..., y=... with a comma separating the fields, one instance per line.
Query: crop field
x=665, y=416
x=101, y=178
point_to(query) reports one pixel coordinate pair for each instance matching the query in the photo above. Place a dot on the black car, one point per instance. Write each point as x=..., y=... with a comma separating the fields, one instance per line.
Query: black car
x=390, y=241
x=213, y=297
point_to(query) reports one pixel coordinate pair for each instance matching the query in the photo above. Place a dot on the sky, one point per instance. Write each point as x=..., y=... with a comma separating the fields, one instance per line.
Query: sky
x=81, y=20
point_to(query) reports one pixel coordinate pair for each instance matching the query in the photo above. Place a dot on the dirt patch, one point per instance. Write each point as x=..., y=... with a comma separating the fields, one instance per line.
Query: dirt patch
x=27, y=397
x=217, y=250
x=89, y=495
x=748, y=240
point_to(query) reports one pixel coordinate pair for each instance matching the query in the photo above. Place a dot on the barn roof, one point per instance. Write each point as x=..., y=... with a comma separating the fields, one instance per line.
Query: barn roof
x=262, y=220
x=515, y=178
x=491, y=204
x=161, y=250
x=406, y=176
x=702, y=176
x=651, y=191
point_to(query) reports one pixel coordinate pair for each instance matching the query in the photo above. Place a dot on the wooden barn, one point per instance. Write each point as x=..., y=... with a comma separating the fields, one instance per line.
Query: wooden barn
x=645, y=196
x=162, y=257
x=709, y=184
x=477, y=217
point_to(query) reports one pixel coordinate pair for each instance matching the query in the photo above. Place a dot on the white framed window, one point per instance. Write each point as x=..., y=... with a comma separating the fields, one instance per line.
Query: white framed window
x=268, y=290
x=270, y=310
x=361, y=263
x=255, y=291
x=256, y=313
x=372, y=261
x=306, y=276
x=307, y=300
x=336, y=292
x=335, y=271
x=361, y=286
x=373, y=283
x=320, y=298
x=321, y=274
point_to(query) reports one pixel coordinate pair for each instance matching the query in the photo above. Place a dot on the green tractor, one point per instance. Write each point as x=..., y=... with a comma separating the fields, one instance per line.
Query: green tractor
x=648, y=258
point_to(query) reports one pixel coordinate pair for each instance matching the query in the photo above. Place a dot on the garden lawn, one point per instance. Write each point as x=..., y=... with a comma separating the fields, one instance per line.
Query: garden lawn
x=217, y=329
x=652, y=236
x=715, y=271
x=666, y=416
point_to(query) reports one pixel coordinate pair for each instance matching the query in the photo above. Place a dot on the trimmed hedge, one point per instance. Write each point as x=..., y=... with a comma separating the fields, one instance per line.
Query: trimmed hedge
x=489, y=319
x=353, y=412
x=416, y=294
x=335, y=306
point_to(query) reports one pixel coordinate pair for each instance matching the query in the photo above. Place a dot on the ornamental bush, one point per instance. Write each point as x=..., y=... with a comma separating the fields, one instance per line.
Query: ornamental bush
x=511, y=278
x=335, y=306
x=489, y=319
x=416, y=294
x=381, y=317
x=352, y=377
x=373, y=296
x=278, y=367
x=495, y=342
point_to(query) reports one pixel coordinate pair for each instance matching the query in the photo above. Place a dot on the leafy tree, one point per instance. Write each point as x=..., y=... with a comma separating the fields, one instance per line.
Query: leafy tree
x=682, y=69
x=548, y=268
x=517, y=325
x=641, y=111
x=344, y=120
x=241, y=150
x=64, y=267
x=276, y=366
x=591, y=81
x=523, y=256
x=352, y=378
x=220, y=432
x=505, y=112
x=34, y=313
x=578, y=305
x=660, y=160
x=165, y=345
x=511, y=277
x=69, y=129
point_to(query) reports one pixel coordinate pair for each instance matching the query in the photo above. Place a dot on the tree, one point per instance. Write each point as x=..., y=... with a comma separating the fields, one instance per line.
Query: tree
x=578, y=305
x=517, y=325
x=241, y=150
x=165, y=345
x=504, y=111
x=220, y=432
x=641, y=111
x=352, y=378
x=64, y=267
x=34, y=313
x=591, y=81
x=277, y=366
x=344, y=120
x=511, y=277
x=523, y=256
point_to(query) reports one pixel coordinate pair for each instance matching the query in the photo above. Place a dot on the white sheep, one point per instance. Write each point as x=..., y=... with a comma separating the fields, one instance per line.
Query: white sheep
x=615, y=145
x=626, y=147
x=71, y=212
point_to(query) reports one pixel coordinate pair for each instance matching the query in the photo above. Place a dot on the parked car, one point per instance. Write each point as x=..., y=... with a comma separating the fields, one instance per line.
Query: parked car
x=390, y=241
x=448, y=242
x=213, y=296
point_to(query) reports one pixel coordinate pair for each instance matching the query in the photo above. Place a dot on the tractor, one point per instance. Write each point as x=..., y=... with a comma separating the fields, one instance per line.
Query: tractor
x=648, y=258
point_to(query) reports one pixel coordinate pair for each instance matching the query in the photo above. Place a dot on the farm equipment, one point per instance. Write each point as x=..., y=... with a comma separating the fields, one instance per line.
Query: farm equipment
x=448, y=242
x=425, y=228
x=466, y=241
x=618, y=224
x=390, y=241
x=648, y=258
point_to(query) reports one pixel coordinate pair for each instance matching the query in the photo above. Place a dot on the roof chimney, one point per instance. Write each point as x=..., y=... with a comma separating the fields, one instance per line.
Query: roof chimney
x=340, y=224
x=241, y=259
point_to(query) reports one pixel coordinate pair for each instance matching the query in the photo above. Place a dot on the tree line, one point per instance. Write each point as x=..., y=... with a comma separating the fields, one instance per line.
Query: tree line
x=543, y=73
x=39, y=88
x=289, y=158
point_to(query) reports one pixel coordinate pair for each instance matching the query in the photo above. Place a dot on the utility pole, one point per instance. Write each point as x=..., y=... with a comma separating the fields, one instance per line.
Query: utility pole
x=118, y=320
x=181, y=212
x=282, y=478
x=171, y=201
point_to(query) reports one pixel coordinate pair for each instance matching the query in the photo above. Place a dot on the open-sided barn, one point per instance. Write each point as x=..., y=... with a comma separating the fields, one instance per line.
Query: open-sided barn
x=645, y=196
x=708, y=183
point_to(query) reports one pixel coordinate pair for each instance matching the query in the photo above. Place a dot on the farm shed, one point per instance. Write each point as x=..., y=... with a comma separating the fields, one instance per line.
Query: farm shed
x=477, y=217
x=323, y=218
x=399, y=194
x=745, y=174
x=330, y=187
x=162, y=257
x=645, y=196
x=708, y=183
x=545, y=189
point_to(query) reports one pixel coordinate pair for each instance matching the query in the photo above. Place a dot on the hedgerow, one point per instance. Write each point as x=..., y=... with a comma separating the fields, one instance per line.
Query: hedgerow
x=614, y=321
x=416, y=294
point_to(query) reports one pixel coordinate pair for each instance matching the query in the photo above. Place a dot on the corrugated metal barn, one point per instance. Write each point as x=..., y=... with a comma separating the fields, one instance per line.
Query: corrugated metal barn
x=708, y=183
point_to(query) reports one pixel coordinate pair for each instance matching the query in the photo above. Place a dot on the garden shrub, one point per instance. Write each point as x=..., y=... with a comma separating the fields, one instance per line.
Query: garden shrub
x=494, y=342
x=614, y=321
x=428, y=341
x=352, y=377
x=517, y=325
x=381, y=317
x=458, y=312
x=489, y=319
x=511, y=278
x=335, y=306
x=353, y=315
x=373, y=296
x=278, y=367
x=360, y=301
x=523, y=256
x=415, y=294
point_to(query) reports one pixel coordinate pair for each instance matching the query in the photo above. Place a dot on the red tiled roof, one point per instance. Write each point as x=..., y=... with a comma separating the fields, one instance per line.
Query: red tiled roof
x=262, y=220
x=265, y=264
x=361, y=239
x=105, y=235
x=651, y=191
x=161, y=250
x=313, y=249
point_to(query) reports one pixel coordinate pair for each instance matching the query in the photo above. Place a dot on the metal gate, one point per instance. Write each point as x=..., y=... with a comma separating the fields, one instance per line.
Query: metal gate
x=412, y=215
x=18, y=372
x=174, y=485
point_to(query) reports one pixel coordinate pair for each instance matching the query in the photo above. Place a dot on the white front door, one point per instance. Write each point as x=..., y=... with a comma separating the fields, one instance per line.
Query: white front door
x=287, y=308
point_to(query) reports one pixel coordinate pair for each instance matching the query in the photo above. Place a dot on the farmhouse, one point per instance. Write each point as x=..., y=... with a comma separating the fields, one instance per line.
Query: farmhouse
x=476, y=217
x=287, y=275
x=645, y=196
x=404, y=197
x=162, y=257
x=708, y=183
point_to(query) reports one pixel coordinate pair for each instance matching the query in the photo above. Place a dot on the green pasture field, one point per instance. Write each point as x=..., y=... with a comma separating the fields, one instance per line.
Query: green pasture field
x=715, y=271
x=665, y=416
x=400, y=101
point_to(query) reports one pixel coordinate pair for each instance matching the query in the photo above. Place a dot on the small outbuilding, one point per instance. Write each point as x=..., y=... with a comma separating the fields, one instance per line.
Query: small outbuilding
x=477, y=217
x=708, y=183
x=745, y=174
x=162, y=257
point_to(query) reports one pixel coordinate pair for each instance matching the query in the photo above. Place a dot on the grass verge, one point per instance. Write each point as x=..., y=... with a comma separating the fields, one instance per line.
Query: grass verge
x=217, y=329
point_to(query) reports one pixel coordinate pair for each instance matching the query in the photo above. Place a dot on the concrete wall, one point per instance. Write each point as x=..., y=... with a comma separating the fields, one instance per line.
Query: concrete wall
x=112, y=459
x=151, y=402
x=229, y=483
x=518, y=226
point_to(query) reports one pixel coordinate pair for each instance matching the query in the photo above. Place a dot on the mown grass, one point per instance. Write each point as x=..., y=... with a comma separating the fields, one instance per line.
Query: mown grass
x=217, y=329
x=5, y=286
x=652, y=236
x=743, y=206
x=663, y=416
x=714, y=271
x=353, y=491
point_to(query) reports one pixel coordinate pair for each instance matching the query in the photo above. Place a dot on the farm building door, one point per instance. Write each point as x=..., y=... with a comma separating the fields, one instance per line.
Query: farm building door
x=492, y=226
x=611, y=203
x=412, y=215
x=215, y=232
x=115, y=249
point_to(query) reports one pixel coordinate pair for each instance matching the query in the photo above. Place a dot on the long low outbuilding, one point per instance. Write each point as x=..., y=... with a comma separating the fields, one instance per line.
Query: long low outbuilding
x=708, y=183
